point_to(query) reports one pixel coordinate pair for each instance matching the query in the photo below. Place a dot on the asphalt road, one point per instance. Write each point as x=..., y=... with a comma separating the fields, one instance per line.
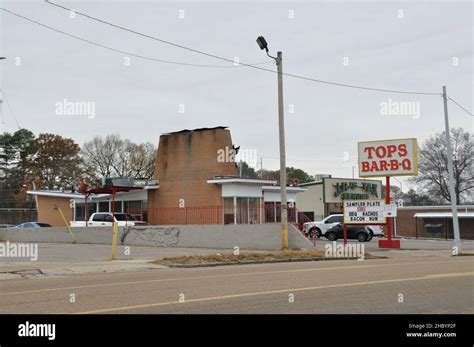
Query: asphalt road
x=427, y=284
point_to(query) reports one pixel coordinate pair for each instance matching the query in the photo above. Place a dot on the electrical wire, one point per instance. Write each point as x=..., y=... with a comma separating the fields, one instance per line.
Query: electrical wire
x=10, y=108
x=461, y=107
x=304, y=160
x=122, y=51
x=229, y=60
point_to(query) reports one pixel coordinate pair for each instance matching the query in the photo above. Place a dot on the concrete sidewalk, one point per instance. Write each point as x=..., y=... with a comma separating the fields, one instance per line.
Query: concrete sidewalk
x=40, y=270
x=68, y=252
x=56, y=259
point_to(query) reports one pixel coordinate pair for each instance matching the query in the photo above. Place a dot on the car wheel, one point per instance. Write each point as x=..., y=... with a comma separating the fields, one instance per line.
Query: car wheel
x=313, y=231
x=362, y=237
x=318, y=233
x=331, y=236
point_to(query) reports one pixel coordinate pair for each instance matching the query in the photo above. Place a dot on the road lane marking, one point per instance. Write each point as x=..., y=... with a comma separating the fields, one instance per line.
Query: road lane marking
x=270, y=292
x=182, y=278
x=223, y=276
x=425, y=277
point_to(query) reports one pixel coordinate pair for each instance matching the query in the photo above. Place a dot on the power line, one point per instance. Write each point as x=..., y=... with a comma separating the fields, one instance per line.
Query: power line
x=125, y=52
x=461, y=107
x=229, y=60
x=10, y=108
x=306, y=160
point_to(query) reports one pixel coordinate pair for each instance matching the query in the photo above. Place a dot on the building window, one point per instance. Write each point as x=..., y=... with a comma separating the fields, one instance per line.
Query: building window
x=242, y=211
x=278, y=212
x=92, y=208
x=118, y=207
x=104, y=206
x=136, y=209
x=80, y=209
x=269, y=212
x=79, y=212
x=228, y=210
x=254, y=216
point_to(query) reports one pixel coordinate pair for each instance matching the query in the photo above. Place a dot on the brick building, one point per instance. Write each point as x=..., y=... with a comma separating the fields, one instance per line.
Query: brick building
x=199, y=183
x=184, y=162
x=195, y=182
x=48, y=203
x=434, y=222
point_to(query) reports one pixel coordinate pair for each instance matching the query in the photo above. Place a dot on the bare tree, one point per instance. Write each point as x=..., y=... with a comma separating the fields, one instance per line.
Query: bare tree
x=142, y=160
x=433, y=165
x=113, y=156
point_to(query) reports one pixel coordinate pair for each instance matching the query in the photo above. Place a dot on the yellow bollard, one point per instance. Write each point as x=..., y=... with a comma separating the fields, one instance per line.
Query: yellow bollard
x=114, y=240
x=66, y=223
x=284, y=237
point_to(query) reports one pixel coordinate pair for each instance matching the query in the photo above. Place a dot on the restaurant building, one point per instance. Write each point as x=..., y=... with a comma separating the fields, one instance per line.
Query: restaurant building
x=195, y=182
x=199, y=183
x=324, y=197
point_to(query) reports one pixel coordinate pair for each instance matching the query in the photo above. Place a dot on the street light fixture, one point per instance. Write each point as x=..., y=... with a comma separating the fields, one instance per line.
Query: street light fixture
x=262, y=43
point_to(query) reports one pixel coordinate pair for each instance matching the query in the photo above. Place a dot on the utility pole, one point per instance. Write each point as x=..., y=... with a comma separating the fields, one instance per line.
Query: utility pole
x=262, y=43
x=281, y=123
x=400, y=182
x=457, y=237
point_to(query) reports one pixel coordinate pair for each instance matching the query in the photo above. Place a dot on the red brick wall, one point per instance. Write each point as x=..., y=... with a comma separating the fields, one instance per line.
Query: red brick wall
x=407, y=224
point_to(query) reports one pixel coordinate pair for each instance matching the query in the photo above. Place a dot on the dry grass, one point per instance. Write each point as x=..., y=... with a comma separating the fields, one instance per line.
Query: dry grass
x=230, y=258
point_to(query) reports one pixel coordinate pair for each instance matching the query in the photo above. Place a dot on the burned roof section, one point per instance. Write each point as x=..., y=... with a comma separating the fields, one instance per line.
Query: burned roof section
x=195, y=130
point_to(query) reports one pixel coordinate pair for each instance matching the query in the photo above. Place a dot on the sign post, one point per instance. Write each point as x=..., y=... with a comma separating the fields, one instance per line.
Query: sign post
x=388, y=158
x=389, y=243
x=345, y=233
x=114, y=228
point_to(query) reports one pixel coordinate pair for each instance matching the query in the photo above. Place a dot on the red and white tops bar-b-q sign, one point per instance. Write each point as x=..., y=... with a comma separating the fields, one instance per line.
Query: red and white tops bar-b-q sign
x=388, y=158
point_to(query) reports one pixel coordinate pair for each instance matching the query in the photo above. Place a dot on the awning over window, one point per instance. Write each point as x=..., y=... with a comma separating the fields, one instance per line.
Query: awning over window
x=444, y=215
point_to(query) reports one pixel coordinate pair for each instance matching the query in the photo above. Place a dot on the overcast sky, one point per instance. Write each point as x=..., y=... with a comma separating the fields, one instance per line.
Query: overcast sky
x=416, y=46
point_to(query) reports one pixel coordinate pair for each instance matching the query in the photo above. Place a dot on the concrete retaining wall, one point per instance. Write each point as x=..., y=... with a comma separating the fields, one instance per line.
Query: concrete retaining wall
x=254, y=236
x=83, y=235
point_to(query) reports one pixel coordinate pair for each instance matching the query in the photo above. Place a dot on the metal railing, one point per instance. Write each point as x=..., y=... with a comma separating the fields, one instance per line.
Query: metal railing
x=228, y=214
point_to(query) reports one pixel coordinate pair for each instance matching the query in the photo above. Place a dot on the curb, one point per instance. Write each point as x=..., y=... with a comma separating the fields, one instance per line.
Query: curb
x=252, y=262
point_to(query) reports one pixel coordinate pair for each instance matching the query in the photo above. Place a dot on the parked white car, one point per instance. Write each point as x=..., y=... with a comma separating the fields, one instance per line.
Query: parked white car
x=320, y=227
x=104, y=219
